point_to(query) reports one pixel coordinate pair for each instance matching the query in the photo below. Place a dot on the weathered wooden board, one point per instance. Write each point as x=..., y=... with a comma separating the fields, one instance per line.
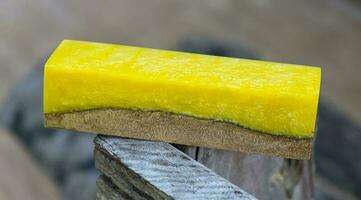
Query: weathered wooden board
x=108, y=191
x=156, y=170
x=263, y=176
x=180, y=129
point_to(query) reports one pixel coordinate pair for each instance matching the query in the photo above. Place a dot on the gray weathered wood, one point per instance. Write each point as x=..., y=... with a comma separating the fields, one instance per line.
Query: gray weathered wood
x=156, y=170
x=108, y=191
x=263, y=176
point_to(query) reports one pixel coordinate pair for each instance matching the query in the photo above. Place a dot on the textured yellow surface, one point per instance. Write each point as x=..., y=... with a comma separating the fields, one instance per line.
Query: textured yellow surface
x=275, y=98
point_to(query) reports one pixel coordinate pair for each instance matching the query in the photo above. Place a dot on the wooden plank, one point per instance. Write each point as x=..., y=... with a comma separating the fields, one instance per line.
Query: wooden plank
x=265, y=177
x=180, y=129
x=108, y=191
x=156, y=170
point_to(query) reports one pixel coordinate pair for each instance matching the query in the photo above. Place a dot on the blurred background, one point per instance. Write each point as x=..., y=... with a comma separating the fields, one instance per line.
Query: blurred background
x=324, y=33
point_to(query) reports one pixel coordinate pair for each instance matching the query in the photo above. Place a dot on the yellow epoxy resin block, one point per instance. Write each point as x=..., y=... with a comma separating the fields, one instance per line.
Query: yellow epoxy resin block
x=274, y=98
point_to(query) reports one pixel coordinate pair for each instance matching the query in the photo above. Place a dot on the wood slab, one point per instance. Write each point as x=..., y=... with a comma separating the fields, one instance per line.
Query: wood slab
x=106, y=190
x=180, y=129
x=263, y=176
x=139, y=169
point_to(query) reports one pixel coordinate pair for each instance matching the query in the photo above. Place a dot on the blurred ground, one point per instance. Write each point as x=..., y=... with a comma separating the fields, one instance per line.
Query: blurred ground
x=322, y=32
x=30, y=183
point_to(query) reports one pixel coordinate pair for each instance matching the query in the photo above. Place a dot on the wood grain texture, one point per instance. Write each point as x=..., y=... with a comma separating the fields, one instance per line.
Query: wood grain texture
x=156, y=170
x=263, y=176
x=108, y=191
x=180, y=129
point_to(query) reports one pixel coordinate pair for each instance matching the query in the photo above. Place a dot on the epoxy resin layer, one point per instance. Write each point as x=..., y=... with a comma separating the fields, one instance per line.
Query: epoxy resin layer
x=274, y=98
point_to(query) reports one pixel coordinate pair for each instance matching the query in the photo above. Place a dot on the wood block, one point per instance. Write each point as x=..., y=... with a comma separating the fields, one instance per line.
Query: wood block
x=263, y=176
x=131, y=91
x=108, y=191
x=180, y=129
x=155, y=170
